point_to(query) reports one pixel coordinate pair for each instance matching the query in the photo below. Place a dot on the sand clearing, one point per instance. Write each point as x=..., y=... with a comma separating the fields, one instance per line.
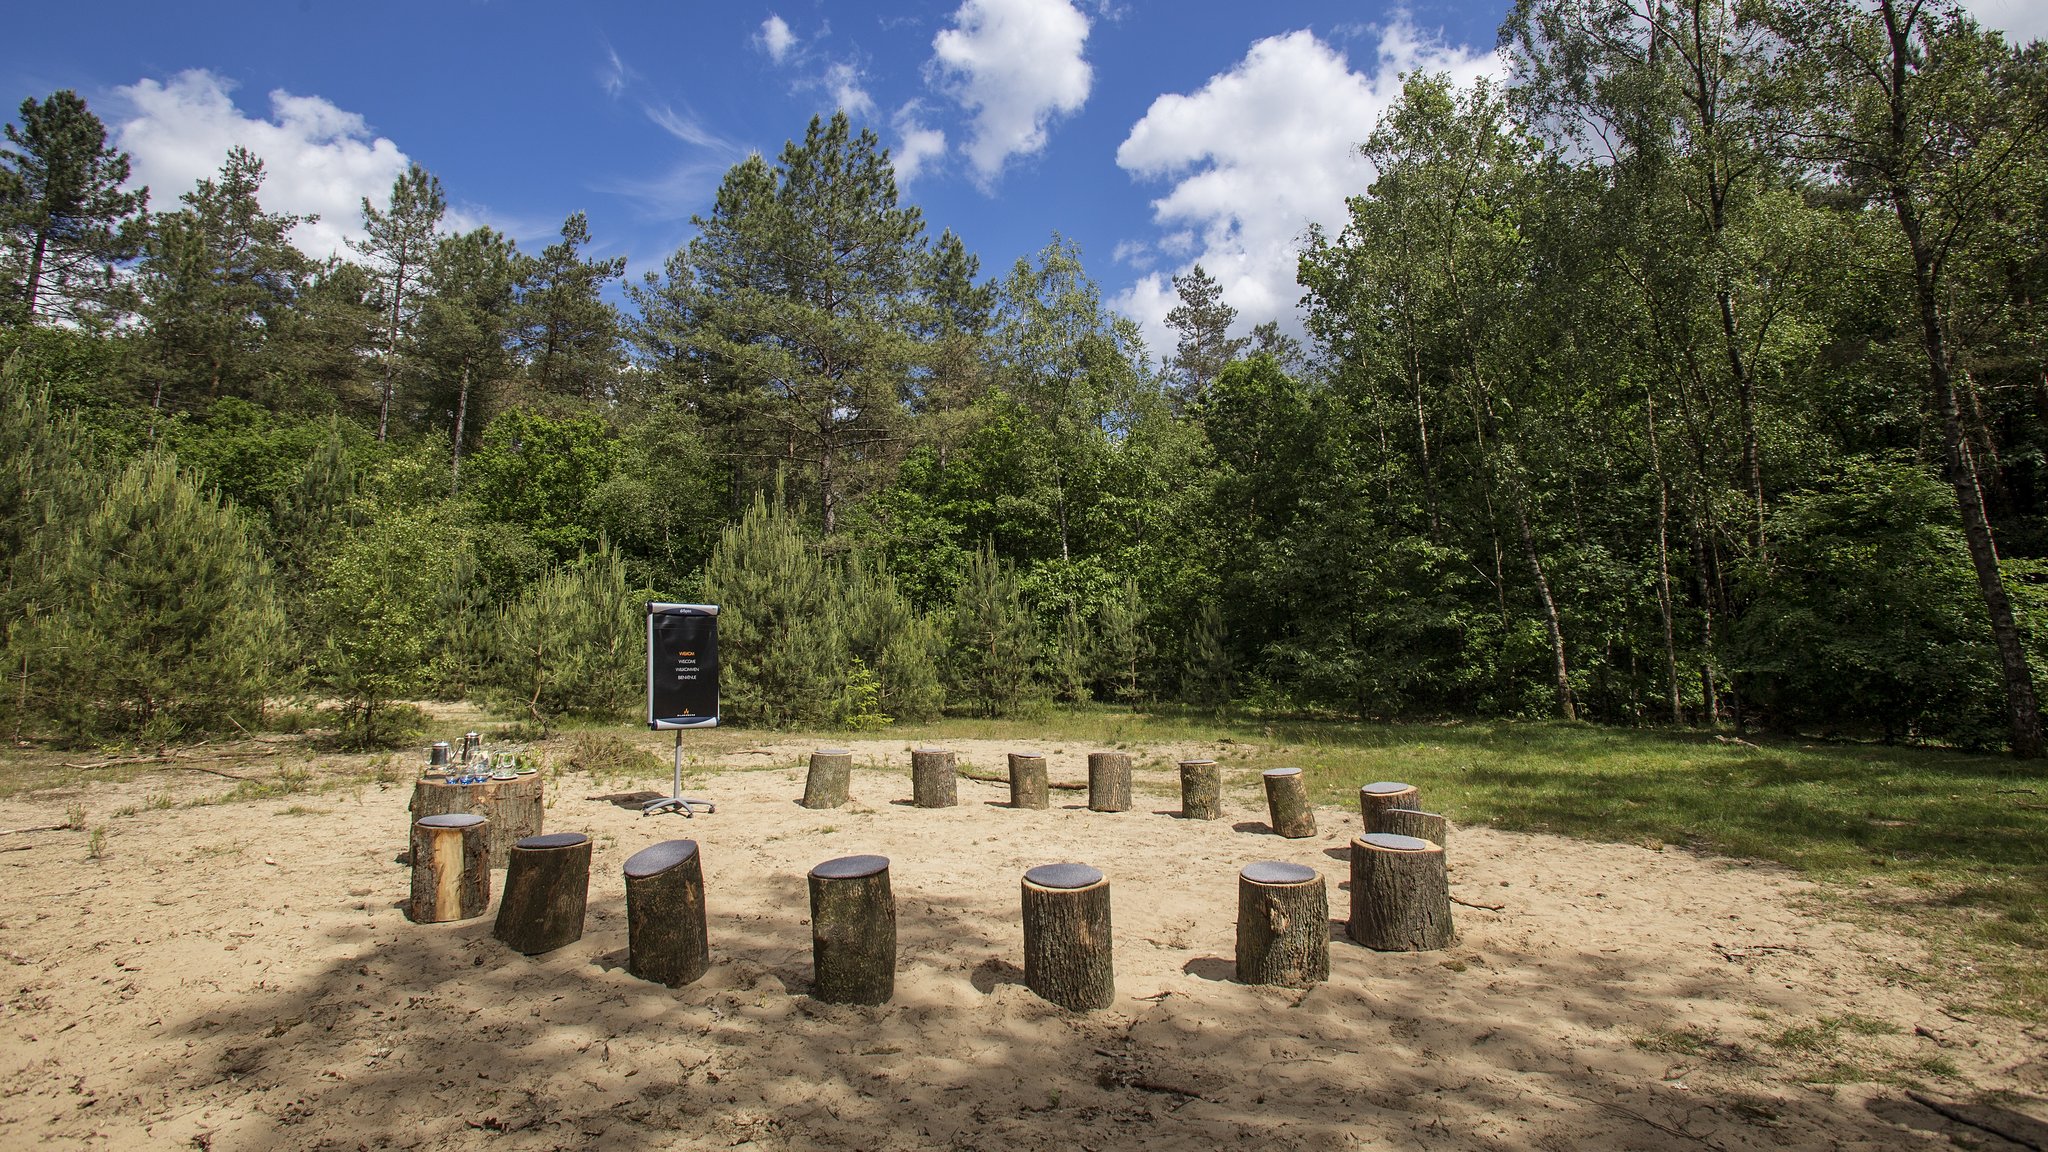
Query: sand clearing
x=241, y=976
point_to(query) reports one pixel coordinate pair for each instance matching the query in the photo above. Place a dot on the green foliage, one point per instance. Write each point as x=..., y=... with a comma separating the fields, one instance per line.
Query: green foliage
x=566, y=330
x=65, y=221
x=539, y=473
x=781, y=652
x=992, y=641
x=574, y=644
x=373, y=620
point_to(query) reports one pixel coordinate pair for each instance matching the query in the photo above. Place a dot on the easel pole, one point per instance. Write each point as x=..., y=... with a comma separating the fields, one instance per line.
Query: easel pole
x=675, y=799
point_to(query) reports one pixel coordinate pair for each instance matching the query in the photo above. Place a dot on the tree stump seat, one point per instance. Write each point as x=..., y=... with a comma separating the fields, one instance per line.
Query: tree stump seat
x=1201, y=790
x=934, y=781
x=1429, y=826
x=1384, y=795
x=451, y=868
x=1283, y=925
x=830, y=777
x=853, y=931
x=547, y=885
x=1028, y=786
x=1400, y=894
x=1287, y=803
x=1067, y=941
x=1109, y=782
x=665, y=935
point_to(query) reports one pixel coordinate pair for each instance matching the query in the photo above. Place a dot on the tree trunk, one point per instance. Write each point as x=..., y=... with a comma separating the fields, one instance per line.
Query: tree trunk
x=1201, y=790
x=35, y=275
x=547, y=885
x=1109, y=782
x=513, y=806
x=1400, y=894
x=830, y=775
x=1409, y=822
x=1287, y=803
x=934, y=782
x=1027, y=781
x=666, y=940
x=1378, y=797
x=451, y=868
x=853, y=931
x=1664, y=606
x=1283, y=925
x=1565, y=707
x=1067, y=941
x=461, y=415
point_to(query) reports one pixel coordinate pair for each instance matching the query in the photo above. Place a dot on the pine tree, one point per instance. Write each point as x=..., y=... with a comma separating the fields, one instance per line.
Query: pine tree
x=566, y=330
x=992, y=641
x=65, y=222
x=887, y=636
x=781, y=651
x=373, y=616
x=573, y=643
x=1122, y=647
x=400, y=239
x=1203, y=321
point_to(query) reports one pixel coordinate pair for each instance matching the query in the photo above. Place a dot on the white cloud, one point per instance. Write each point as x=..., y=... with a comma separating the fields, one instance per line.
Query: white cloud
x=1259, y=153
x=614, y=74
x=317, y=158
x=685, y=127
x=2020, y=20
x=843, y=81
x=776, y=38
x=921, y=144
x=1014, y=65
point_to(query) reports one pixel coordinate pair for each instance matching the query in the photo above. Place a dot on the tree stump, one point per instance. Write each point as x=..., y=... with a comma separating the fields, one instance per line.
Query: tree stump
x=1400, y=894
x=512, y=806
x=1287, y=803
x=1028, y=788
x=1067, y=952
x=934, y=780
x=1385, y=795
x=1201, y=790
x=1408, y=822
x=665, y=937
x=547, y=883
x=853, y=931
x=1283, y=925
x=1109, y=782
x=831, y=772
x=451, y=868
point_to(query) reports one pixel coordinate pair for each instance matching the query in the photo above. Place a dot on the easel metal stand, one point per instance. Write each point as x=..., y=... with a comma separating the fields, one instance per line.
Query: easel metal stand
x=675, y=800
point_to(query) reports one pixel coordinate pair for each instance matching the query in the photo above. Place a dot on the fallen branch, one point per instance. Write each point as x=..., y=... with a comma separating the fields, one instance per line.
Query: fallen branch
x=37, y=828
x=1752, y=951
x=1168, y=1089
x=1470, y=904
x=1639, y=1118
x=1005, y=780
x=1961, y=1115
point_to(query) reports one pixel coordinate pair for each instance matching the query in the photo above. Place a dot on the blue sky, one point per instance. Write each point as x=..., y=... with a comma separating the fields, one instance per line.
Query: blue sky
x=1154, y=134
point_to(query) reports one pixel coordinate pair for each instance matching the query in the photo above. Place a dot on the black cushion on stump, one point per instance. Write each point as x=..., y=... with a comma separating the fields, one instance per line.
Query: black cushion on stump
x=1394, y=843
x=1384, y=788
x=850, y=867
x=451, y=820
x=1278, y=872
x=1281, y=772
x=658, y=858
x=1063, y=876
x=551, y=840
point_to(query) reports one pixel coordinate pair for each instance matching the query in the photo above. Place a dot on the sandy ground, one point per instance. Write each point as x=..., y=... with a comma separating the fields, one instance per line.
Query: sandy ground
x=241, y=976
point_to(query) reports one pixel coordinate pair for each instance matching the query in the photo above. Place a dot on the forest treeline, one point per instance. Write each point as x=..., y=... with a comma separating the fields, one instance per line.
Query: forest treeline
x=1695, y=374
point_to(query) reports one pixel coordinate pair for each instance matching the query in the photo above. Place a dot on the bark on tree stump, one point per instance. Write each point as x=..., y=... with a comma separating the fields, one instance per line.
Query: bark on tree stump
x=451, y=868
x=1287, y=803
x=1283, y=925
x=1408, y=822
x=665, y=937
x=934, y=783
x=1067, y=947
x=831, y=772
x=1109, y=782
x=1201, y=790
x=1384, y=795
x=1028, y=788
x=512, y=806
x=1400, y=894
x=853, y=931
x=547, y=884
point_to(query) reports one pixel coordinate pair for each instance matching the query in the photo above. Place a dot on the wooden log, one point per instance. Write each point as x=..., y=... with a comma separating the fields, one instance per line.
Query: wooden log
x=1283, y=925
x=1027, y=781
x=1400, y=894
x=1109, y=782
x=853, y=931
x=665, y=937
x=1201, y=790
x=547, y=884
x=831, y=774
x=1381, y=796
x=1067, y=942
x=933, y=780
x=1287, y=803
x=513, y=807
x=1408, y=822
x=451, y=868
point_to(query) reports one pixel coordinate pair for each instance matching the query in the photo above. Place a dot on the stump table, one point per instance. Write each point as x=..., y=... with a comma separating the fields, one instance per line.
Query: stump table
x=934, y=782
x=512, y=806
x=1067, y=946
x=665, y=937
x=1201, y=790
x=1287, y=803
x=1028, y=787
x=830, y=776
x=1283, y=925
x=451, y=868
x=1109, y=782
x=1400, y=894
x=853, y=931
x=547, y=884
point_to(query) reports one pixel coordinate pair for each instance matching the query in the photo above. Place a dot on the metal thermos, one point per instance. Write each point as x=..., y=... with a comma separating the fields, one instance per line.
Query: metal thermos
x=437, y=756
